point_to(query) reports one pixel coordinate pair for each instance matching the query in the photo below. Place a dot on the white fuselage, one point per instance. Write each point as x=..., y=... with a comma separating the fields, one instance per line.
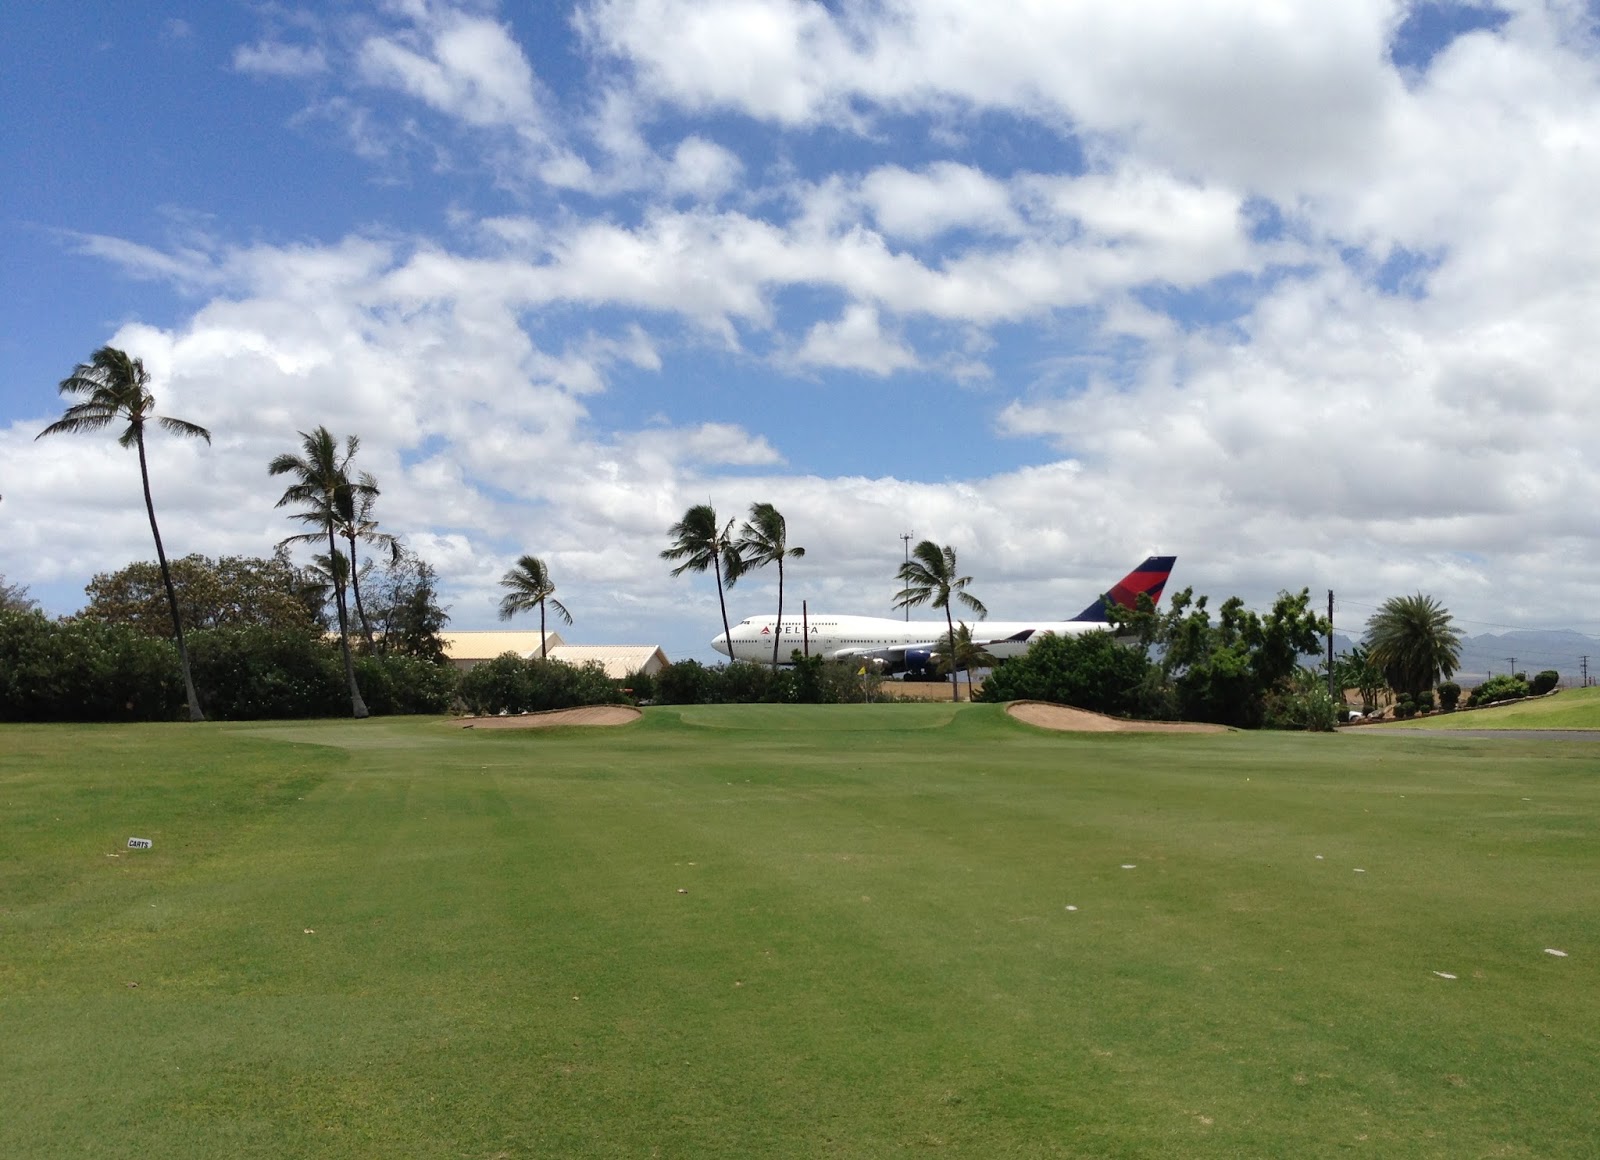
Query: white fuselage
x=835, y=637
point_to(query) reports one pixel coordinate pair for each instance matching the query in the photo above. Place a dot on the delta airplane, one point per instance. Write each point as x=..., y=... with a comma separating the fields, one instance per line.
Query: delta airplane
x=900, y=646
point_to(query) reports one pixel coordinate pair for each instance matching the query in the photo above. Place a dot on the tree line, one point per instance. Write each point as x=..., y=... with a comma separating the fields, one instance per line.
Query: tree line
x=326, y=494
x=254, y=629
x=1245, y=669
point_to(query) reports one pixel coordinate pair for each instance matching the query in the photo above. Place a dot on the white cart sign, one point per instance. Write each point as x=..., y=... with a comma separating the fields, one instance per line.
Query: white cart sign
x=139, y=843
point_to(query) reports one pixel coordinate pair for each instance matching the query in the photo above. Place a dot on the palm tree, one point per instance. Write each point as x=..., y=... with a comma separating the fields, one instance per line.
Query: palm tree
x=763, y=540
x=356, y=521
x=1355, y=670
x=700, y=545
x=967, y=654
x=1412, y=640
x=322, y=483
x=112, y=387
x=531, y=587
x=930, y=577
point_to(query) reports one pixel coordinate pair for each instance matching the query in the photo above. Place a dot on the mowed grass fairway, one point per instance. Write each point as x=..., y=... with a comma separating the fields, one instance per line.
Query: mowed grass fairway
x=807, y=931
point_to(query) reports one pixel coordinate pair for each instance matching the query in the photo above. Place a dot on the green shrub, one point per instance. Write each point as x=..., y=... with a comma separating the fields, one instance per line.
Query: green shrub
x=80, y=670
x=1313, y=710
x=1425, y=701
x=249, y=674
x=1544, y=682
x=747, y=683
x=1449, y=695
x=401, y=684
x=558, y=685
x=1091, y=671
x=844, y=683
x=686, y=682
x=498, y=686
x=1502, y=688
x=1222, y=688
x=509, y=684
x=805, y=681
x=639, y=685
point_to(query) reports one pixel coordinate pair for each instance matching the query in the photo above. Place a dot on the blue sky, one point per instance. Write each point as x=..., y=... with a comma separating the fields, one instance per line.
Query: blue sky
x=1301, y=293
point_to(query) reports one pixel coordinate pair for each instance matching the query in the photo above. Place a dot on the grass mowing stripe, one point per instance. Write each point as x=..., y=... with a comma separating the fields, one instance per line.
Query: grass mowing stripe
x=873, y=952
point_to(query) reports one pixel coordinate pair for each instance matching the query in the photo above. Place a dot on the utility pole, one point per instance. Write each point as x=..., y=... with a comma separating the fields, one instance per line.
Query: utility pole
x=1512, y=661
x=1583, y=667
x=906, y=536
x=1337, y=699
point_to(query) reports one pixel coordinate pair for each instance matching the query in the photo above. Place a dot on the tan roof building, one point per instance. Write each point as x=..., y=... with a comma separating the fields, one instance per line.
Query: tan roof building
x=466, y=649
x=618, y=660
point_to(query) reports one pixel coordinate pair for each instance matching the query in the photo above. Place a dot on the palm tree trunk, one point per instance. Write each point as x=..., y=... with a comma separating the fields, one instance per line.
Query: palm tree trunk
x=355, y=587
x=955, y=680
x=543, y=655
x=727, y=633
x=166, y=579
x=358, y=707
x=777, y=634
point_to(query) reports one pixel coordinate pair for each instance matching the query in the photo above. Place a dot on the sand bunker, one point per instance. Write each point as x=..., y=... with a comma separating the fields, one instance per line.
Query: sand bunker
x=586, y=715
x=1060, y=717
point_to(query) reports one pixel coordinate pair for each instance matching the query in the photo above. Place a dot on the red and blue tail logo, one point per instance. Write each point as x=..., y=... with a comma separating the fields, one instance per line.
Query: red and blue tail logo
x=1148, y=578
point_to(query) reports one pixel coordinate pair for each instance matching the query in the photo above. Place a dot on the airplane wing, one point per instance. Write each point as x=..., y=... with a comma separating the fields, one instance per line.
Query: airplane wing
x=894, y=654
x=918, y=653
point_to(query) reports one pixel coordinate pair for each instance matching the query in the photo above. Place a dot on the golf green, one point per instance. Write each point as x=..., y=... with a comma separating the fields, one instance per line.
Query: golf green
x=793, y=931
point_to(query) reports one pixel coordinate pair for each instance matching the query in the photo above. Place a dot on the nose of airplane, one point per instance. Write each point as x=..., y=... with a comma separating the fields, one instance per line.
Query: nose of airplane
x=721, y=645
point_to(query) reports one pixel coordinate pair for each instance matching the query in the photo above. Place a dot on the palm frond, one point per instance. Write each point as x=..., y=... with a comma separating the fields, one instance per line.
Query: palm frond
x=304, y=538
x=72, y=424
x=699, y=543
x=183, y=427
x=529, y=585
x=83, y=381
x=930, y=576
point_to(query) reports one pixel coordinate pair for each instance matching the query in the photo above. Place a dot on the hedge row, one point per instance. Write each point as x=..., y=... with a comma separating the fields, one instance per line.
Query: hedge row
x=83, y=671
x=510, y=684
x=808, y=681
x=80, y=670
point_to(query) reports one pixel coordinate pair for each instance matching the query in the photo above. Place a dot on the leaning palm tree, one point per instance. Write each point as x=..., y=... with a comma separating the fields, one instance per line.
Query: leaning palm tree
x=322, y=484
x=1412, y=640
x=112, y=387
x=763, y=540
x=930, y=576
x=699, y=543
x=356, y=522
x=531, y=587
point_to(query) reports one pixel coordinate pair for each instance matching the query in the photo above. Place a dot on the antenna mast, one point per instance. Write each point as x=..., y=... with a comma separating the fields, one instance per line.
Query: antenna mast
x=906, y=536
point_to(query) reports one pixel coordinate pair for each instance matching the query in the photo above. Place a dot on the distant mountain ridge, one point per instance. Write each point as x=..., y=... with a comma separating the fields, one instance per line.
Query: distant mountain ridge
x=1533, y=649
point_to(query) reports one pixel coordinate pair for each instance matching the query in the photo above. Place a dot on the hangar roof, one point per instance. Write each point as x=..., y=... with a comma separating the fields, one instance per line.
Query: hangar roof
x=618, y=660
x=485, y=646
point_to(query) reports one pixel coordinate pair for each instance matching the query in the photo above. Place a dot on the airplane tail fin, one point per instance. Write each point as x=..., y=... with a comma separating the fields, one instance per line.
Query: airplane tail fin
x=1149, y=578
